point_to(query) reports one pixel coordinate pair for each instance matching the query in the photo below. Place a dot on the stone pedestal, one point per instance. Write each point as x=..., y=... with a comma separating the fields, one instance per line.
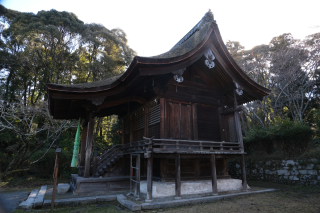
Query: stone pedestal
x=162, y=189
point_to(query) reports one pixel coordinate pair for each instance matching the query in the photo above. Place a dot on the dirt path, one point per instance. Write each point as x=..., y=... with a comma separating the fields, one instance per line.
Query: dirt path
x=11, y=200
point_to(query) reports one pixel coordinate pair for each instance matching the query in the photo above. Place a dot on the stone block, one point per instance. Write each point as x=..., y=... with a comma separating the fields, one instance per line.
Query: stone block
x=283, y=172
x=303, y=172
x=106, y=198
x=294, y=171
x=63, y=188
x=312, y=172
x=70, y=201
x=40, y=197
x=121, y=197
x=28, y=204
x=293, y=178
x=314, y=160
x=310, y=166
x=127, y=203
x=237, y=166
x=318, y=177
x=305, y=177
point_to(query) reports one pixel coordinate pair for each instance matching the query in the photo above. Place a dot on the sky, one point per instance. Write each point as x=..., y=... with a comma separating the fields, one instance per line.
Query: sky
x=154, y=27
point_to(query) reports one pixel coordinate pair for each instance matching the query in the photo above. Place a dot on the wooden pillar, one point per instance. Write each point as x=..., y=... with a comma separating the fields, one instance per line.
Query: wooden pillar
x=214, y=175
x=83, y=150
x=177, y=177
x=137, y=189
x=89, y=146
x=237, y=124
x=149, y=179
x=162, y=117
x=225, y=166
x=131, y=128
x=195, y=121
x=146, y=122
x=243, y=173
x=123, y=123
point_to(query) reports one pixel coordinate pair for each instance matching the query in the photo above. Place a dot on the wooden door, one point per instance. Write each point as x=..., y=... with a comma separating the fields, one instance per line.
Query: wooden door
x=208, y=123
x=230, y=128
x=180, y=121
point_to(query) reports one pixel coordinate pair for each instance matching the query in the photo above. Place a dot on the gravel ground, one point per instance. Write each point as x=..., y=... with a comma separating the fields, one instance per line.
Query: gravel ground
x=10, y=201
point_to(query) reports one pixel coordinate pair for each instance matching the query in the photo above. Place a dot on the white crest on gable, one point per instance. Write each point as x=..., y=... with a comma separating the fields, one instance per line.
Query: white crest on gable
x=239, y=89
x=178, y=75
x=209, y=58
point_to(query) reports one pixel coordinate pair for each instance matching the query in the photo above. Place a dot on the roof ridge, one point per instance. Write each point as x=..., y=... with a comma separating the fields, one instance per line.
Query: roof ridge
x=208, y=17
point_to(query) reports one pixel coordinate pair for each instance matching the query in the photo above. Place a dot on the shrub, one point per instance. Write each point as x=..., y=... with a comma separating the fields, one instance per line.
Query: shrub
x=289, y=138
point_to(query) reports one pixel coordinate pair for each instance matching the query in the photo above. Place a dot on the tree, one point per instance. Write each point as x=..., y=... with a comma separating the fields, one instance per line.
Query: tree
x=22, y=122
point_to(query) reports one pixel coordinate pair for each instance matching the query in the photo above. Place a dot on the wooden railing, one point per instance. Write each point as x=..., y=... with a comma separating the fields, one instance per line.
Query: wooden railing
x=149, y=145
x=177, y=145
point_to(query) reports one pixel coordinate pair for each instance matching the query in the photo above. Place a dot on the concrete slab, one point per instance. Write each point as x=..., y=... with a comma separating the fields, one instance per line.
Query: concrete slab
x=28, y=204
x=70, y=202
x=63, y=188
x=40, y=197
x=160, y=189
x=104, y=198
x=175, y=203
x=127, y=203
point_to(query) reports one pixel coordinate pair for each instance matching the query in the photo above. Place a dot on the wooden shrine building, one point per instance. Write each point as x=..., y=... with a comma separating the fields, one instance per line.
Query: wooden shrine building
x=180, y=113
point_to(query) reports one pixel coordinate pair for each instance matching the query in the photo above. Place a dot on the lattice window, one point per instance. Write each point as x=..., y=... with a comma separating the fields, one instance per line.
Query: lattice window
x=154, y=115
x=154, y=131
x=138, y=120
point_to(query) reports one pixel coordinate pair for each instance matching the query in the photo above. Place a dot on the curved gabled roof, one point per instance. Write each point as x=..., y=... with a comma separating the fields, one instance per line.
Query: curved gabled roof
x=188, y=52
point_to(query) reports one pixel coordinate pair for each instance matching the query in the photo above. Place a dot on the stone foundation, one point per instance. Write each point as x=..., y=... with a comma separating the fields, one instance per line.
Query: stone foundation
x=160, y=189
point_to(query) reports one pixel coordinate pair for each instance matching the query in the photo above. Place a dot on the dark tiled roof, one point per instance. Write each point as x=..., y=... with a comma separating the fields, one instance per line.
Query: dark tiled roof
x=104, y=82
x=186, y=44
x=191, y=39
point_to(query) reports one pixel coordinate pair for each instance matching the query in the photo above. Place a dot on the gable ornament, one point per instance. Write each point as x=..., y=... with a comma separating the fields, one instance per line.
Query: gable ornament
x=239, y=89
x=97, y=101
x=178, y=75
x=209, y=58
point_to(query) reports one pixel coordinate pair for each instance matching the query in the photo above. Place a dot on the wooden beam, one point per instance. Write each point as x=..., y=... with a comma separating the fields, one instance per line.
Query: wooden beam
x=121, y=101
x=149, y=180
x=243, y=173
x=177, y=178
x=89, y=146
x=214, y=175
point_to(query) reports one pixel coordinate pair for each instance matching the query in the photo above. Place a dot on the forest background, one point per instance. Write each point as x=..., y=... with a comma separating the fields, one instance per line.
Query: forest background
x=57, y=47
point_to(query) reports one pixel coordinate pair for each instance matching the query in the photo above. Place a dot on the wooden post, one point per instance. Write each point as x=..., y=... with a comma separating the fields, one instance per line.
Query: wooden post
x=137, y=191
x=95, y=161
x=214, y=175
x=146, y=122
x=55, y=176
x=89, y=146
x=243, y=173
x=237, y=124
x=177, y=178
x=131, y=128
x=225, y=166
x=83, y=150
x=149, y=180
x=162, y=117
x=195, y=121
x=122, y=139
